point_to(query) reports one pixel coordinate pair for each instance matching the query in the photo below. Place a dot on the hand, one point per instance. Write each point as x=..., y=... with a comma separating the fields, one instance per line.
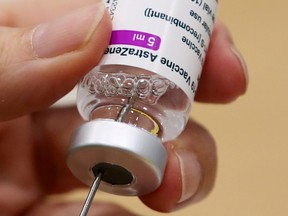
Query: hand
x=45, y=48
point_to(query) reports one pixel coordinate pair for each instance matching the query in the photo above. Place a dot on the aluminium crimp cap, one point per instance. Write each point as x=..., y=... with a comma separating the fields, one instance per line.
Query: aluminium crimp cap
x=131, y=159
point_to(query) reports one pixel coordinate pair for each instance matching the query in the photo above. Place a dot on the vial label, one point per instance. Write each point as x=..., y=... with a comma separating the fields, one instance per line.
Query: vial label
x=167, y=37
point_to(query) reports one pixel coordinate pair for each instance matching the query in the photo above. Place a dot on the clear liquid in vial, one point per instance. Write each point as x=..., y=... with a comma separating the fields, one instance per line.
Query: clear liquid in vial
x=159, y=106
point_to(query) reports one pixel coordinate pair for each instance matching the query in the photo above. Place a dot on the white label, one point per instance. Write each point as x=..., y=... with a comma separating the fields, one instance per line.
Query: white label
x=167, y=37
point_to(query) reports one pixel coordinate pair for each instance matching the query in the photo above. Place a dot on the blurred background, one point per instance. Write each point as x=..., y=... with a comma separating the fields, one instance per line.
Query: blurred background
x=251, y=133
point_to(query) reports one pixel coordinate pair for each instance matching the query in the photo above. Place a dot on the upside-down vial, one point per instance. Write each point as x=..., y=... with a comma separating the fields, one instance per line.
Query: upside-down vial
x=140, y=94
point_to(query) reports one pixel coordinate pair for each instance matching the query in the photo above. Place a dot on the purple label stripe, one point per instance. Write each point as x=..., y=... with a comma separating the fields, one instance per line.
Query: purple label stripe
x=136, y=38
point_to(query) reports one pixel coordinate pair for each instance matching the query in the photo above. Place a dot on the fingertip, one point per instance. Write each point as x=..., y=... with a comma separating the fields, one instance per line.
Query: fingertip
x=58, y=37
x=165, y=198
x=244, y=67
x=224, y=77
x=53, y=72
x=181, y=180
x=190, y=173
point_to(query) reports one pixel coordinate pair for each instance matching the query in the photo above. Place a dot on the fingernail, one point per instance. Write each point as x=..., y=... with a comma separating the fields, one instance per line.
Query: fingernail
x=190, y=173
x=67, y=33
x=241, y=60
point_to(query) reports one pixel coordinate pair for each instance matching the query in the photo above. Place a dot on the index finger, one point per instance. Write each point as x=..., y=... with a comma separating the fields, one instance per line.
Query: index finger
x=30, y=13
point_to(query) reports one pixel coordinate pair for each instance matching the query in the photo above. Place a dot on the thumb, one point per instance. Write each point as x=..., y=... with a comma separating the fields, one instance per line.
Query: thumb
x=41, y=64
x=190, y=172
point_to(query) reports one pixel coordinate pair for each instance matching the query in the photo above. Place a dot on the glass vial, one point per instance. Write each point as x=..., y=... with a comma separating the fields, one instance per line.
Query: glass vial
x=145, y=82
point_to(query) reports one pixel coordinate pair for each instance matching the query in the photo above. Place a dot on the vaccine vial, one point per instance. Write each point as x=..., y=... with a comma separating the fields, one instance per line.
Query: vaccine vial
x=140, y=95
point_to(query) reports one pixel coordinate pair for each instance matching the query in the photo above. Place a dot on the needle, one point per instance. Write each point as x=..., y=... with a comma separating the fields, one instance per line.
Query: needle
x=91, y=194
x=124, y=111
